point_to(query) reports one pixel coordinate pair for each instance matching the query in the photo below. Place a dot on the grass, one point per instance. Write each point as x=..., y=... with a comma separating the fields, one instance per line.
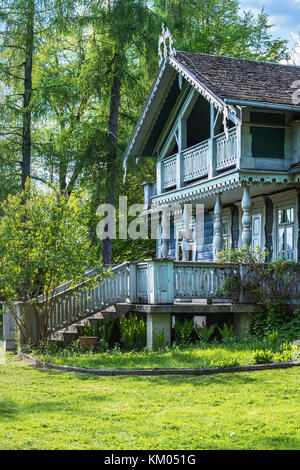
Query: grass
x=42, y=409
x=190, y=357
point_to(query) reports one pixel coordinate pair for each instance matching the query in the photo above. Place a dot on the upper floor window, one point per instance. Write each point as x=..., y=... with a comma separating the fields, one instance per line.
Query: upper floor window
x=286, y=232
x=226, y=233
x=268, y=135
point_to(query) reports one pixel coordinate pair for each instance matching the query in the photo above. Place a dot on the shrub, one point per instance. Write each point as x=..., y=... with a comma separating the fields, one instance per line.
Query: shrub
x=264, y=356
x=44, y=241
x=269, y=284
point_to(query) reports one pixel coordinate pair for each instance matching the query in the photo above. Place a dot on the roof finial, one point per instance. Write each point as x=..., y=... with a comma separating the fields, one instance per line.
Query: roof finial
x=165, y=35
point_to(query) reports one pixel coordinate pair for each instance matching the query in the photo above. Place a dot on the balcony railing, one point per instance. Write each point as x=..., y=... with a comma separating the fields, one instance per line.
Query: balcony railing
x=169, y=172
x=195, y=161
x=226, y=150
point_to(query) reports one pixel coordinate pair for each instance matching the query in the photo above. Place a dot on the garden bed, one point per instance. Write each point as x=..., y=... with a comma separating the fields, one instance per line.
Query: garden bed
x=155, y=372
x=188, y=358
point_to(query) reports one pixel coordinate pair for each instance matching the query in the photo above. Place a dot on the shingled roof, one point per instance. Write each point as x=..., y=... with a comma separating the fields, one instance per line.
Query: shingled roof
x=242, y=80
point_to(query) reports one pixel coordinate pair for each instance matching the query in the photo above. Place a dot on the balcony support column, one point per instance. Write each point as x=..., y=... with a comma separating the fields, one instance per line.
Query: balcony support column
x=218, y=242
x=165, y=233
x=246, y=219
x=187, y=218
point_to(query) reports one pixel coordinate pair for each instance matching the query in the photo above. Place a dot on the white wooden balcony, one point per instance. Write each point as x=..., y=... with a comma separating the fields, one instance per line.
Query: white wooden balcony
x=226, y=151
x=200, y=161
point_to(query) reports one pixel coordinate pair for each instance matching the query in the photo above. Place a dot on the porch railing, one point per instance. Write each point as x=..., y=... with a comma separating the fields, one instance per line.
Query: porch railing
x=151, y=282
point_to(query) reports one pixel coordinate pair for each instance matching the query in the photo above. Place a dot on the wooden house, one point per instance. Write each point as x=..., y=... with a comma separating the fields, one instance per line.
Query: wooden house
x=225, y=133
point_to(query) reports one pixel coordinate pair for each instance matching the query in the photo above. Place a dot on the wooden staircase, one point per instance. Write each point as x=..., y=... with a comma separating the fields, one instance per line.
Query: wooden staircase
x=71, y=305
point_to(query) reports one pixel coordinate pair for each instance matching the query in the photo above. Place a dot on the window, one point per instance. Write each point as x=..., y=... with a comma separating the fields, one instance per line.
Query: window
x=256, y=230
x=226, y=233
x=267, y=142
x=286, y=232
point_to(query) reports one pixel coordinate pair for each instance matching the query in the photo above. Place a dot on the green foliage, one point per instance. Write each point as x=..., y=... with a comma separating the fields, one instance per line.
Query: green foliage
x=219, y=27
x=159, y=340
x=282, y=353
x=280, y=318
x=184, y=330
x=269, y=283
x=43, y=243
x=205, y=333
x=274, y=340
x=133, y=332
x=264, y=356
x=226, y=332
x=87, y=330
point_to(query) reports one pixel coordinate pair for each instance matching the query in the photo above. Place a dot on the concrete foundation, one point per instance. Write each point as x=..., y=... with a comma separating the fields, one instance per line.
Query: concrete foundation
x=242, y=322
x=158, y=324
x=9, y=332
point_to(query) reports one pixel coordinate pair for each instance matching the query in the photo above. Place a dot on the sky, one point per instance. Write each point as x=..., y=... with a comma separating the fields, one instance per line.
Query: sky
x=284, y=14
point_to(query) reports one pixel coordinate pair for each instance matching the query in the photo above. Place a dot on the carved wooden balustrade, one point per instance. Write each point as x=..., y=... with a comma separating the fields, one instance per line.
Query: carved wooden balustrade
x=226, y=150
x=194, y=161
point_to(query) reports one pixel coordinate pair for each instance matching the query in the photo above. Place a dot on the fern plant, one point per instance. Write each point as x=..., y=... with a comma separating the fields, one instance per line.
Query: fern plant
x=226, y=332
x=159, y=340
x=133, y=332
x=205, y=333
x=274, y=340
x=183, y=331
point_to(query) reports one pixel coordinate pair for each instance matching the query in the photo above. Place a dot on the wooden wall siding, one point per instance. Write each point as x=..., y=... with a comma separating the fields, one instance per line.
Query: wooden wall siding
x=235, y=227
x=269, y=227
x=299, y=226
x=205, y=253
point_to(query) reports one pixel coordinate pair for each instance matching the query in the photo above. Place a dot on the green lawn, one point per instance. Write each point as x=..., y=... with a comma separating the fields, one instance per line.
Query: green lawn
x=42, y=409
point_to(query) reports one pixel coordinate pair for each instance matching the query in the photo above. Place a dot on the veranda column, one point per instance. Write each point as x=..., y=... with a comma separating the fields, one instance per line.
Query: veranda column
x=246, y=219
x=218, y=228
x=187, y=215
x=165, y=234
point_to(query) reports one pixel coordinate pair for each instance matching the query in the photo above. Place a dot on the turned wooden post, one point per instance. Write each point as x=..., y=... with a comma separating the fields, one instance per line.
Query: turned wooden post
x=186, y=244
x=165, y=233
x=218, y=228
x=246, y=220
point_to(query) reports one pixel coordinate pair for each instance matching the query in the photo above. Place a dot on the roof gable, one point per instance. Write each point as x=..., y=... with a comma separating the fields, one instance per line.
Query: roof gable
x=219, y=80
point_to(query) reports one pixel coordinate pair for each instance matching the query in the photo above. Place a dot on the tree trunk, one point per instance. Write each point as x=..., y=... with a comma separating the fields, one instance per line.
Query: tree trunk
x=26, y=134
x=111, y=157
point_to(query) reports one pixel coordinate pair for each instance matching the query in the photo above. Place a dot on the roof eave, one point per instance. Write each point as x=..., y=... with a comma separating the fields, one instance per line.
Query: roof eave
x=258, y=104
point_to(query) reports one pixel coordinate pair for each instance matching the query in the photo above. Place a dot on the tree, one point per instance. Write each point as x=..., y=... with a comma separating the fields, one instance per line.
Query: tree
x=295, y=50
x=123, y=35
x=43, y=243
x=73, y=135
x=24, y=24
x=218, y=27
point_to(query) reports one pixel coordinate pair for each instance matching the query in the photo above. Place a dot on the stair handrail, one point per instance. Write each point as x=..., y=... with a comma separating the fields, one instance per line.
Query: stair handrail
x=70, y=288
